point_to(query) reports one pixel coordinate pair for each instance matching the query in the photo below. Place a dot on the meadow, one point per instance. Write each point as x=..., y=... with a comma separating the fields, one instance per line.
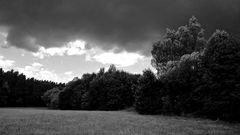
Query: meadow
x=40, y=121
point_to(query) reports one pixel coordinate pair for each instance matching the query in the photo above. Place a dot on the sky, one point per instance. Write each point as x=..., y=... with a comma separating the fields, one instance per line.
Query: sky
x=58, y=40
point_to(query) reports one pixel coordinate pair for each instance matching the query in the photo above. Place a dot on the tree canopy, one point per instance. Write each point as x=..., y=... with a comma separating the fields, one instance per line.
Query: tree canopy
x=176, y=43
x=17, y=90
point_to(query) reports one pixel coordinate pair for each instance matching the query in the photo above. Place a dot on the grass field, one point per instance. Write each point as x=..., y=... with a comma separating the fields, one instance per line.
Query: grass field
x=28, y=121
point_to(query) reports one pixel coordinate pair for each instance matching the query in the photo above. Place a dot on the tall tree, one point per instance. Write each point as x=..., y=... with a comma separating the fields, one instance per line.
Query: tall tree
x=221, y=91
x=175, y=44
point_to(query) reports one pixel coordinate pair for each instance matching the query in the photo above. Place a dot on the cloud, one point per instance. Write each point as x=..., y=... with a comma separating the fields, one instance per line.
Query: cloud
x=5, y=63
x=68, y=73
x=38, y=65
x=122, y=59
x=72, y=48
x=130, y=25
x=114, y=56
x=77, y=47
x=3, y=37
x=38, y=71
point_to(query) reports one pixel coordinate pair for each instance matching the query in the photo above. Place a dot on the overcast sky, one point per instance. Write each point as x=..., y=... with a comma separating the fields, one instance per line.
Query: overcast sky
x=60, y=39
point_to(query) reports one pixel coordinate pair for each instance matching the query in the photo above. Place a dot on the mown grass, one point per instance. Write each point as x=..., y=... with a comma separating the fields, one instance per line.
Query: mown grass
x=25, y=121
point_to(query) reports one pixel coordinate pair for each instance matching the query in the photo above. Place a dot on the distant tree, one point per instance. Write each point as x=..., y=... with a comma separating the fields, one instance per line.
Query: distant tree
x=51, y=98
x=148, y=94
x=75, y=94
x=101, y=72
x=112, y=90
x=85, y=86
x=17, y=90
x=112, y=69
x=4, y=89
x=66, y=95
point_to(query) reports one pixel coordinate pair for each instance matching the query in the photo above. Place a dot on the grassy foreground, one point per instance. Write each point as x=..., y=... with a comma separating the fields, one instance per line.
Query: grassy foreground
x=26, y=121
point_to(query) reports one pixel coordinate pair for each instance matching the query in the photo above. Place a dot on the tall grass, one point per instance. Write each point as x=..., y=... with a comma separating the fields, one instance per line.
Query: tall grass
x=22, y=121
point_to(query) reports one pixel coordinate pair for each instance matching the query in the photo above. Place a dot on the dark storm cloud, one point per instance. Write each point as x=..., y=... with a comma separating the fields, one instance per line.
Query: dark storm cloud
x=128, y=24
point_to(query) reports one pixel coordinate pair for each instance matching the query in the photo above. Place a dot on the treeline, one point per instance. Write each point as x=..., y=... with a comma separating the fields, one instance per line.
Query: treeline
x=18, y=91
x=106, y=90
x=195, y=76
